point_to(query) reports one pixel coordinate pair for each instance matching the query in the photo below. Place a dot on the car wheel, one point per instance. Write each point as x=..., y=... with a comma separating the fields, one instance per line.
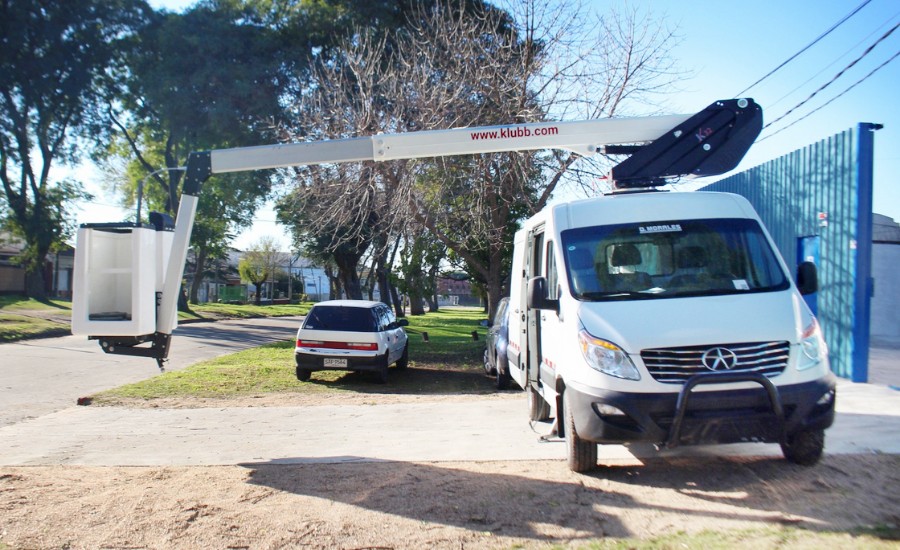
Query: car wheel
x=403, y=362
x=582, y=455
x=538, y=409
x=503, y=376
x=303, y=375
x=488, y=368
x=804, y=448
x=383, y=370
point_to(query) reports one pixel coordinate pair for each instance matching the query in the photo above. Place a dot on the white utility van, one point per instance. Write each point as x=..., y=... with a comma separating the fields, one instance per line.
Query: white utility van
x=667, y=318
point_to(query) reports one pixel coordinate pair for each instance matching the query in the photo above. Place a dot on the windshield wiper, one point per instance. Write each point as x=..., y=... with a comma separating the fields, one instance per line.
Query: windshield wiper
x=617, y=294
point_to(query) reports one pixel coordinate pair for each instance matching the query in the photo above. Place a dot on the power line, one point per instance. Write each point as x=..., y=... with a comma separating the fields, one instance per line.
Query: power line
x=808, y=46
x=830, y=82
x=855, y=84
x=813, y=77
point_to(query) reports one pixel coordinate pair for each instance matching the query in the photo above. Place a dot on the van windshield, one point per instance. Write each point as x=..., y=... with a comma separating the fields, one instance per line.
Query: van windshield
x=669, y=259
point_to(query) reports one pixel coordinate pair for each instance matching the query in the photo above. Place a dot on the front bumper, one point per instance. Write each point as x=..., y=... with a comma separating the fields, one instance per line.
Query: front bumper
x=765, y=414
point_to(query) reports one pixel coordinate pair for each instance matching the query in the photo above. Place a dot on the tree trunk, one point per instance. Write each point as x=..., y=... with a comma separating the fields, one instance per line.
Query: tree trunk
x=258, y=299
x=35, y=286
x=183, y=301
x=494, y=285
x=398, y=303
x=200, y=266
x=346, y=264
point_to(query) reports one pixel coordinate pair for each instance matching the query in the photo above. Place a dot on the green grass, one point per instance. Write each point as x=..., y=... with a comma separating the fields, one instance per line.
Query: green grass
x=22, y=318
x=9, y=303
x=19, y=327
x=450, y=362
x=776, y=537
x=243, y=311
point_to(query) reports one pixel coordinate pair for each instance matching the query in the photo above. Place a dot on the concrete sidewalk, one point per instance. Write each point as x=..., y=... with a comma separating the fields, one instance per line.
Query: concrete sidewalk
x=481, y=430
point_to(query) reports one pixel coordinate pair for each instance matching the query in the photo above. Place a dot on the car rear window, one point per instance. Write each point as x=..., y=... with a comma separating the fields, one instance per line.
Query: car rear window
x=351, y=319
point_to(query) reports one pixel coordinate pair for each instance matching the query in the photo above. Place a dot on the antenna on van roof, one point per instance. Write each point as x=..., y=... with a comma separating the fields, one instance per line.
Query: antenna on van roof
x=709, y=143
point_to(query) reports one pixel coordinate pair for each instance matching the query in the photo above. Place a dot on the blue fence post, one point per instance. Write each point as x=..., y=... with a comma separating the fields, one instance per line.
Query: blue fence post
x=863, y=285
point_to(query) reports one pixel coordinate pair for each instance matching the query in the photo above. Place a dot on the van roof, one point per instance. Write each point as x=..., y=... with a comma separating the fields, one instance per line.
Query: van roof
x=658, y=206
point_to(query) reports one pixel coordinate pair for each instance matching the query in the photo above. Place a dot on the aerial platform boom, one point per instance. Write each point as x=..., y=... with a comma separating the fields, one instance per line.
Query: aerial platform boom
x=710, y=142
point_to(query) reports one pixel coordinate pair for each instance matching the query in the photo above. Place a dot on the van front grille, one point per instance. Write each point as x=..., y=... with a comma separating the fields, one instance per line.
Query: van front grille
x=676, y=365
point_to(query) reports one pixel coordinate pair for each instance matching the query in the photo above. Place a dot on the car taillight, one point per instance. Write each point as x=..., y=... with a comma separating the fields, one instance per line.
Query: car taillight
x=362, y=346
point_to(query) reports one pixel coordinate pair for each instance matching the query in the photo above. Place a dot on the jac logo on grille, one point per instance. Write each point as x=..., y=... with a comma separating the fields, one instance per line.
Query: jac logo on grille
x=718, y=359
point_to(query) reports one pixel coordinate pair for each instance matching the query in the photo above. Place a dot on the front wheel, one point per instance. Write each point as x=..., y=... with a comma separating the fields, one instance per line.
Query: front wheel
x=804, y=448
x=403, y=362
x=582, y=455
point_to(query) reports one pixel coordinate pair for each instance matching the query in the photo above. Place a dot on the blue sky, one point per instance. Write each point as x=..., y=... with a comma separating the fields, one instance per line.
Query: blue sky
x=727, y=45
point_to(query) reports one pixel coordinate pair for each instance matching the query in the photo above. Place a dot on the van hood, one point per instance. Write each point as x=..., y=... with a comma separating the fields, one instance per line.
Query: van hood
x=676, y=322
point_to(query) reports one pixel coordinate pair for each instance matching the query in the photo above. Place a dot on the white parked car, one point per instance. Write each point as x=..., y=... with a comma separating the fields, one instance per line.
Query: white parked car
x=353, y=335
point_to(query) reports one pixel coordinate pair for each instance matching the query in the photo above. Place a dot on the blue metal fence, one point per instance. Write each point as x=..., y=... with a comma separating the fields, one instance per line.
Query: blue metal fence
x=824, y=190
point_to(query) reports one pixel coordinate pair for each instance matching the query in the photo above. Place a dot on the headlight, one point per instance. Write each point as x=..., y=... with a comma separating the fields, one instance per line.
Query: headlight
x=607, y=357
x=812, y=346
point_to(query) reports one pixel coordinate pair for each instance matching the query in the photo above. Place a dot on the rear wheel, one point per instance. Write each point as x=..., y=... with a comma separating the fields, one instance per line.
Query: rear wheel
x=383, y=370
x=582, y=455
x=303, y=374
x=804, y=448
x=503, y=376
x=488, y=368
x=538, y=409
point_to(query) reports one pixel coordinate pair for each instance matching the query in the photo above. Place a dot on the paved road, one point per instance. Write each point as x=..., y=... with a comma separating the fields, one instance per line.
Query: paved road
x=40, y=424
x=38, y=377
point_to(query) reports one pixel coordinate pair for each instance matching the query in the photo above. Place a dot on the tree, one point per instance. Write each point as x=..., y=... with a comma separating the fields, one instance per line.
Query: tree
x=172, y=104
x=536, y=62
x=420, y=262
x=54, y=61
x=260, y=264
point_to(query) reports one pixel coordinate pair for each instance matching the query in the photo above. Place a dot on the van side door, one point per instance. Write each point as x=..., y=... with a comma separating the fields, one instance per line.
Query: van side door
x=534, y=268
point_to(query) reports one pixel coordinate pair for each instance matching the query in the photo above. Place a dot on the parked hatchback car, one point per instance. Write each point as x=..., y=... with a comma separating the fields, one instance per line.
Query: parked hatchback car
x=495, y=361
x=352, y=335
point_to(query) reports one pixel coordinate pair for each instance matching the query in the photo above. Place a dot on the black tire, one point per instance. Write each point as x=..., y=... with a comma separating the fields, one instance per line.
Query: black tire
x=383, y=371
x=804, y=448
x=581, y=454
x=538, y=409
x=403, y=362
x=503, y=376
x=303, y=375
x=488, y=368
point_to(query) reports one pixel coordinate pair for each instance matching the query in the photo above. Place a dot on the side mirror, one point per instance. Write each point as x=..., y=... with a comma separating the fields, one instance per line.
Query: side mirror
x=537, y=295
x=807, y=278
x=402, y=322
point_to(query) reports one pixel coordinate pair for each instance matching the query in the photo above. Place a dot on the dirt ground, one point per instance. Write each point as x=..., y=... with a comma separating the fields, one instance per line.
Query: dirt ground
x=453, y=505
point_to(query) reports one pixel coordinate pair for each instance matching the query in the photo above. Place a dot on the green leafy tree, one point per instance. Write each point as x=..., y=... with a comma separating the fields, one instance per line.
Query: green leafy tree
x=260, y=264
x=54, y=67
x=420, y=263
x=219, y=96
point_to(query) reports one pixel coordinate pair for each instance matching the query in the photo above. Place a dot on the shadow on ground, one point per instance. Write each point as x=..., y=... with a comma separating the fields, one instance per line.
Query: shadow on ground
x=533, y=499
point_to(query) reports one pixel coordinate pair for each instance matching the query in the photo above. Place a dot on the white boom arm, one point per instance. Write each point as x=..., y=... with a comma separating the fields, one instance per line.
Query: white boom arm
x=582, y=137
x=709, y=142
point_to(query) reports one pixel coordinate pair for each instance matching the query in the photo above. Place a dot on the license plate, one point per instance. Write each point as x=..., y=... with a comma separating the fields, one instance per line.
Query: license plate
x=332, y=362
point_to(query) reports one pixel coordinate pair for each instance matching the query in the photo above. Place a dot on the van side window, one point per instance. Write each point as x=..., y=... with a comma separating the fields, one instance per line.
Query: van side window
x=552, y=273
x=537, y=255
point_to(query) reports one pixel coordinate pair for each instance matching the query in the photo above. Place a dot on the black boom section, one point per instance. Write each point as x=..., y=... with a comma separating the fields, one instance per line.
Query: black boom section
x=709, y=143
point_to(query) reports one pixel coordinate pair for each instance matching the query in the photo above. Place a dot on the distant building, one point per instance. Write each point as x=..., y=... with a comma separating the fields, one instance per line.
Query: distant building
x=456, y=291
x=885, y=317
x=57, y=269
